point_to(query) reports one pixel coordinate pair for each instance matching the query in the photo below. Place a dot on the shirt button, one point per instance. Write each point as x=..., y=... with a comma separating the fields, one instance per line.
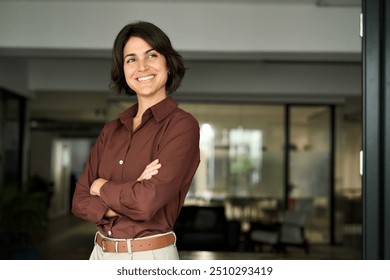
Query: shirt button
x=109, y=233
x=121, y=162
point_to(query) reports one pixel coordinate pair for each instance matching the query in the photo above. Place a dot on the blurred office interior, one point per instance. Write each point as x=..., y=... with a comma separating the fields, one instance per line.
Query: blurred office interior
x=275, y=86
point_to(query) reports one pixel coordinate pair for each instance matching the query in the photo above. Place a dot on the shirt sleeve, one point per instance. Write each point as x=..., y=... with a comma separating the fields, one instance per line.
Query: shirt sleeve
x=179, y=156
x=84, y=205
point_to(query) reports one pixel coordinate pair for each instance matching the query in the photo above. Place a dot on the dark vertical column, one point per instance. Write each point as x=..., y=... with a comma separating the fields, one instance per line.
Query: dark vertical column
x=385, y=58
x=332, y=163
x=371, y=129
x=286, y=154
x=22, y=107
x=376, y=129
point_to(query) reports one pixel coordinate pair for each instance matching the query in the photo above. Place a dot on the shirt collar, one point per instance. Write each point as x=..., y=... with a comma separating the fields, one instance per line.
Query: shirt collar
x=162, y=109
x=159, y=111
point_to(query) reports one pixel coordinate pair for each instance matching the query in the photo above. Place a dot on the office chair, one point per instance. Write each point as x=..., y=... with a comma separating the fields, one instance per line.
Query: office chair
x=290, y=232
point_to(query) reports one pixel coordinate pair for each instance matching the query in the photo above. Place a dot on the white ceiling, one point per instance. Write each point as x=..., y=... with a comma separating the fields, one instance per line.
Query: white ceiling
x=312, y=2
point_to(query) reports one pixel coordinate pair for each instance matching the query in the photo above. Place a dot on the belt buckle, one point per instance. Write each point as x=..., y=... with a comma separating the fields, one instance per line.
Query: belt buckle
x=103, y=247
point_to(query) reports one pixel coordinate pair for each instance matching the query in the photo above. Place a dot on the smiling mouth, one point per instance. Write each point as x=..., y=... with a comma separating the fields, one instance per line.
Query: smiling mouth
x=147, y=78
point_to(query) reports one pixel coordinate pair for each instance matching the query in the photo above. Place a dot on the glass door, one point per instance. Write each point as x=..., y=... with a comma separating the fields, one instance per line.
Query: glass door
x=309, y=187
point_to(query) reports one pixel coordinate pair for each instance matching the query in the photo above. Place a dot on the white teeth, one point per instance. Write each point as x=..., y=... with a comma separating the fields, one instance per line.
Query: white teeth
x=145, y=78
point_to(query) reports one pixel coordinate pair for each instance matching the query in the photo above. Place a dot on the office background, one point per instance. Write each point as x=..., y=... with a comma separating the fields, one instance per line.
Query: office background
x=275, y=85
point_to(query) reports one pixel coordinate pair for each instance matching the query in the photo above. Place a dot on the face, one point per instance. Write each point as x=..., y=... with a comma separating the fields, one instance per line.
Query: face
x=145, y=69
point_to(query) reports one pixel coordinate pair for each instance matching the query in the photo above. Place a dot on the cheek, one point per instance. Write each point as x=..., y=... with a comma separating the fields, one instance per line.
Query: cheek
x=163, y=79
x=164, y=72
x=128, y=75
x=128, y=71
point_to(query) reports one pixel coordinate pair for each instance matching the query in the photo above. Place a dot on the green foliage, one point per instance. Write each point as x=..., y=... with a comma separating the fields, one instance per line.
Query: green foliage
x=21, y=213
x=241, y=165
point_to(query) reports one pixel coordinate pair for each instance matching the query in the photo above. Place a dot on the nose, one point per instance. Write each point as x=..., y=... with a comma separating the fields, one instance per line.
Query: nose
x=142, y=66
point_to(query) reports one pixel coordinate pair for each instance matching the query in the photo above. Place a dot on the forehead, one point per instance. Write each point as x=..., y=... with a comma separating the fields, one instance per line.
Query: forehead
x=136, y=44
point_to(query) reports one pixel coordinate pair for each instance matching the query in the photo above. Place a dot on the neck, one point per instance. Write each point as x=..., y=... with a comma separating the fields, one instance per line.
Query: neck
x=146, y=103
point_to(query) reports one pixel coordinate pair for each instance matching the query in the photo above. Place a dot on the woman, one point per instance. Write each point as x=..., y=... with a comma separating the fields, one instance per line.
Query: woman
x=141, y=166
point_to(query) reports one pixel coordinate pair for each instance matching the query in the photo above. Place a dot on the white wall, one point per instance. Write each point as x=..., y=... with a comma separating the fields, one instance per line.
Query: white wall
x=69, y=74
x=206, y=80
x=192, y=25
x=273, y=79
x=65, y=46
x=14, y=75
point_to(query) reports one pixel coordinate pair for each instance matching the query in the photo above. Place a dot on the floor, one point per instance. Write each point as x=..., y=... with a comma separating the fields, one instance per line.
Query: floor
x=69, y=238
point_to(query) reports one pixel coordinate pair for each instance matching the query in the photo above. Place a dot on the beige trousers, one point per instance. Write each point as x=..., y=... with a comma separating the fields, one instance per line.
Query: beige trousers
x=167, y=253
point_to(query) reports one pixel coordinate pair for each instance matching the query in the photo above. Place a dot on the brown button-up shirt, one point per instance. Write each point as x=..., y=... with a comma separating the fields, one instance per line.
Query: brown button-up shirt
x=120, y=155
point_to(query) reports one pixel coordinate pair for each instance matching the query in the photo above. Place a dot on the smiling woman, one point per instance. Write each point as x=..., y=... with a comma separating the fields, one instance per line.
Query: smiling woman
x=145, y=69
x=158, y=42
x=141, y=166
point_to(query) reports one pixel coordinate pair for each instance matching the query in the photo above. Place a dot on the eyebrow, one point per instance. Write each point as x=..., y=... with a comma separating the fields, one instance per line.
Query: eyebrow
x=133, y=54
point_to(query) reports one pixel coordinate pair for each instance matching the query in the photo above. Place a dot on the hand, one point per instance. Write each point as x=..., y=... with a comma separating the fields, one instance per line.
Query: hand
x=96, y=185
x=110, y=213
x=150, y=170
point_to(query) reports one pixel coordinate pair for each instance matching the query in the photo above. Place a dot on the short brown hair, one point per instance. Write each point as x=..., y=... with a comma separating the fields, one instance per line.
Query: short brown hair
x=159, y=41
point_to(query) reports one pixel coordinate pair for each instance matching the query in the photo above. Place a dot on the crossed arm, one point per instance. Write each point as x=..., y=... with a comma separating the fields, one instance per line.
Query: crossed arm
x=150, y=170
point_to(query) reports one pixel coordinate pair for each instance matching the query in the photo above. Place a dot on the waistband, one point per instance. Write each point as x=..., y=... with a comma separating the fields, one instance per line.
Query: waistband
x=111, y=245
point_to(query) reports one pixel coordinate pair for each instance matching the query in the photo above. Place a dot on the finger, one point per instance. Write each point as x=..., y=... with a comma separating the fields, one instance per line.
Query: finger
x=147, y=175
x=153, y=172
x=152, y=163
x=150, y=170
x=153, y=167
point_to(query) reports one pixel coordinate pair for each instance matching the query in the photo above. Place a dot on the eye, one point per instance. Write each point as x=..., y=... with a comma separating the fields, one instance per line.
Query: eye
x=130, y=60
x=152, y=55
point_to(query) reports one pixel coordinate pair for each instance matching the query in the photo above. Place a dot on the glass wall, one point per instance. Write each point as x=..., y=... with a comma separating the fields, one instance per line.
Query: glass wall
x=309, y=167
x=241, y=151
x=243, y=164
x=348, y=180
